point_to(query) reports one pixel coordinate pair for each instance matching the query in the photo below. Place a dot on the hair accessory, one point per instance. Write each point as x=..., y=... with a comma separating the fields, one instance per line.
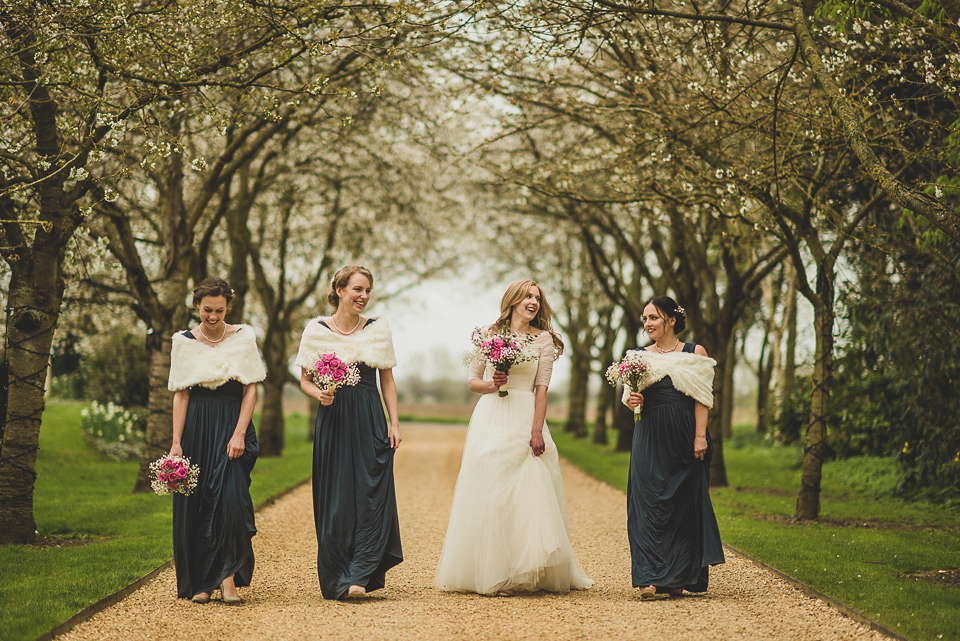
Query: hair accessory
x=680, y=310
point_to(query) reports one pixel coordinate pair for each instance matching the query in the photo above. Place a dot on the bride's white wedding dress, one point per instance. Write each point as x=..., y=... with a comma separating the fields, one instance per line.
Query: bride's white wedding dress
x=508, y=522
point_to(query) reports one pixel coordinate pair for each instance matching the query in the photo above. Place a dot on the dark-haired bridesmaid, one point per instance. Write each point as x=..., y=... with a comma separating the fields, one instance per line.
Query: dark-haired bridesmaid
x=670, y=520
x=214, y=371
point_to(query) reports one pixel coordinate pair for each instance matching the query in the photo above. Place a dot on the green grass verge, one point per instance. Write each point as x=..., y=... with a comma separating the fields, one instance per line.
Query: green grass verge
x=81, y=493
x=859, y=566
x=446, y=420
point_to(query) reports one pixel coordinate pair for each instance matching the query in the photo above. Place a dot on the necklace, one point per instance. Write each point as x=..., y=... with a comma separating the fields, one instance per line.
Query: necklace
x=340, y=331
x=210, y=340
x=667, y=351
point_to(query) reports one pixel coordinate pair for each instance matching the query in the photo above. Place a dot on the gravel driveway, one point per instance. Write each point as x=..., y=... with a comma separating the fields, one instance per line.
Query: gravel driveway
x=744, y=601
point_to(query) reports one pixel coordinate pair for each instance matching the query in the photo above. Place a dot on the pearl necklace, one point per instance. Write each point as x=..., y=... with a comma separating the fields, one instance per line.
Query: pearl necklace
x=667, y=351
x=343, y=333
x=210, y=340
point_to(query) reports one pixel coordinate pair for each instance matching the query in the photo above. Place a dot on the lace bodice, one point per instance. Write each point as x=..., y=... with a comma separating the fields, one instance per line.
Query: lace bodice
x=525, y=376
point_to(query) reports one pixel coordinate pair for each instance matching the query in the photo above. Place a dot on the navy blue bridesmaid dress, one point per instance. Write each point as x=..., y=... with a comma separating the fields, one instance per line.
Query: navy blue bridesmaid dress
x=213, y=527
x=671, y=525
x=354, y=499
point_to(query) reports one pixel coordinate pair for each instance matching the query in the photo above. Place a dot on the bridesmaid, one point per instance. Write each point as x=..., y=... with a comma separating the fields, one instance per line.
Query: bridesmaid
x=354, y=502
x=670, y=520
x=214, y=371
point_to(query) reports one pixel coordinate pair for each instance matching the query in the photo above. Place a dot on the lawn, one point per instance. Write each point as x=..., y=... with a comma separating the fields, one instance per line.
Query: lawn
x=110, y=537
x=867, y=541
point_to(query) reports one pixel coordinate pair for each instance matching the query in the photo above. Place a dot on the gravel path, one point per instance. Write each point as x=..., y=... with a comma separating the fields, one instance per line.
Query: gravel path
x=284, y=602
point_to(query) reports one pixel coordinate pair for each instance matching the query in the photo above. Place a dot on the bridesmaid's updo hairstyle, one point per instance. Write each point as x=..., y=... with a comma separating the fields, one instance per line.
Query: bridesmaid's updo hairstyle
x=212, y=286
x=342, y=278
x=514, y=295
x=669, y=307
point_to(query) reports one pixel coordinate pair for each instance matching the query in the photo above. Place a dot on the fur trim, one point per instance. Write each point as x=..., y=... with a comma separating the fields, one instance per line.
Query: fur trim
x=691, y=374
x=236, y=358
x=371, y=345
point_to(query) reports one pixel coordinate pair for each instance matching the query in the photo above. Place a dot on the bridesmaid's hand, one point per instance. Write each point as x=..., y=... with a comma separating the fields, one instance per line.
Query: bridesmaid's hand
x=635, y=400
x=236, y=446
x=395, y=436
x=537, y=445
x=700, y=446
x=176, y=450
x=499, y=379
x=326, y=397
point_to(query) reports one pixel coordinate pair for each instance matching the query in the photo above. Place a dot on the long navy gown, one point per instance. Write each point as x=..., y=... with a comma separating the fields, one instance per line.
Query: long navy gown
x=670, y=520
x=354, y=500
x=213, y=527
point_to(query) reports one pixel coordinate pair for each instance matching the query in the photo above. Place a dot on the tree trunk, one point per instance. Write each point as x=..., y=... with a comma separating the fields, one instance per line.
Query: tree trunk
x=271, y=416
x=577, y=397
x=238, y=237
x=622, y=416
x=159, y=434
x=33, y=311
x=788, y=373
x=623, y=422
x=718, y=419
x=605, y=400
x=34, y=296
x=764, y=372
x=726, y=367
x=808, y=501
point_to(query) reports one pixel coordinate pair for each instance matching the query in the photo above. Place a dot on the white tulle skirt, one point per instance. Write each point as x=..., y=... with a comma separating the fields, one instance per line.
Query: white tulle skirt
x=508, y=523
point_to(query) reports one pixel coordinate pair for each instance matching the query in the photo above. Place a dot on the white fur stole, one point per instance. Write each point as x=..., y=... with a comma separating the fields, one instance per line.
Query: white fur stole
x=691, y=374
x=195, y=363
x=372, y=345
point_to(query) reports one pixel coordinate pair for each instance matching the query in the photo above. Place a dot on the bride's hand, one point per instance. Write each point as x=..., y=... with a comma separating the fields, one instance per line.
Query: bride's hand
x=499, y=380
x=635, y=400
x=537, y=445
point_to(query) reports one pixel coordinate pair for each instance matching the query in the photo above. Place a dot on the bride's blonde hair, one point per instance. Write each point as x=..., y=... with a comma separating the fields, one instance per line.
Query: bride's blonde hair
x=514, y=295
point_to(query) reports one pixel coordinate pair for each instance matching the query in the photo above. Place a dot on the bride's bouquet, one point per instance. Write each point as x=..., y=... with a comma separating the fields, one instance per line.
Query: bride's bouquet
x=501, y=349
x=331, y=373
x=174, y=474
x=630, y=372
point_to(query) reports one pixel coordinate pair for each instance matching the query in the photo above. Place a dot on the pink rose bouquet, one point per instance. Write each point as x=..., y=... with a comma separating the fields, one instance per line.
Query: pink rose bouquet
x=330, y=372
x=629, y=372
x=501, y=349
x=173, y=474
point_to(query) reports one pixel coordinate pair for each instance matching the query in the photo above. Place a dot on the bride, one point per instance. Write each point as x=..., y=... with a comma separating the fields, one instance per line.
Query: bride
x=508, y=524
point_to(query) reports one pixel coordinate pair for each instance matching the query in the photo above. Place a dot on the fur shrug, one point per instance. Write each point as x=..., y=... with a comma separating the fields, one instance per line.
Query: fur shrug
x=691, y=374
x=372, y=344
x=195, y=363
